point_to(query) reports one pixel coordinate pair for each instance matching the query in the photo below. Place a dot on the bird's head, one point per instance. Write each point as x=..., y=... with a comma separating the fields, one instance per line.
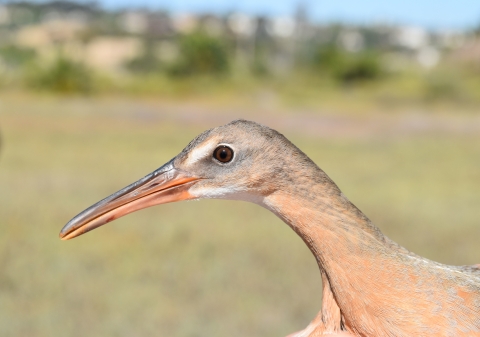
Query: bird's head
x=241, y=160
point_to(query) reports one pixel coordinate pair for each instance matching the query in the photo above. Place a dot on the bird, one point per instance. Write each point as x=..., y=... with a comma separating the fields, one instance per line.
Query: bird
x=372, y=286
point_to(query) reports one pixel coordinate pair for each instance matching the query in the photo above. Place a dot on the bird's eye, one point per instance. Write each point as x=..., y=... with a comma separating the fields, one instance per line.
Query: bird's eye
x=223, y=154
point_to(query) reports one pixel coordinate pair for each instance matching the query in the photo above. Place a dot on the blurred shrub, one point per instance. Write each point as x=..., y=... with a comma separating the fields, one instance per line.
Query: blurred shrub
x=63, y=76
x=201, y=54
x=15, y=56
x=329, y=59
x=259, y=68
x=146, y=63
x=364, y=67
x=347, y=67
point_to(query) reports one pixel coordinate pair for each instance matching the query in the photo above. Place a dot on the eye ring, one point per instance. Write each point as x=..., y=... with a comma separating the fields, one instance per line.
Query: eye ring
x=223, y=154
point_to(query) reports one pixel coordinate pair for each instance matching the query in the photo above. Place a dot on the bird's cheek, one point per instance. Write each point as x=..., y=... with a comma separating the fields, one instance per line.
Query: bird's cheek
x=210, y=191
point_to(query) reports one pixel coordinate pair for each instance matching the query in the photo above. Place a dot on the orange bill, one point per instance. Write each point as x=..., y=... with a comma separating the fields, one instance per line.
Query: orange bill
x=164, y=185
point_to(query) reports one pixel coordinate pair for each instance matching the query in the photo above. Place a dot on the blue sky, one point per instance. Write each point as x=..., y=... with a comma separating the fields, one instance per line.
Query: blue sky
x=439, y=14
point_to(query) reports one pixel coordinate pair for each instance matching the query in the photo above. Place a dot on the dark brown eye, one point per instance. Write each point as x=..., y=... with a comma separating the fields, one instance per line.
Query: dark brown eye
x=223, y=154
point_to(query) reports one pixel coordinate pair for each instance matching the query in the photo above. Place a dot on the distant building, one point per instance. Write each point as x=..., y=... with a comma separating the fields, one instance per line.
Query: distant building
x=212, y=25
x=281, y=27
x=48, y=33
x=242, y=24
x=109, y=54
x=351, y=40
x=4, y=15
x=411, y=37
x=160, y=25
x=184, y=23
x=428, y=57
x=134, y=22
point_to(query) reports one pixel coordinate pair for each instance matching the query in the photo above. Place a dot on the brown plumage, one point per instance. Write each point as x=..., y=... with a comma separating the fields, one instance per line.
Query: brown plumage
x=372, y=286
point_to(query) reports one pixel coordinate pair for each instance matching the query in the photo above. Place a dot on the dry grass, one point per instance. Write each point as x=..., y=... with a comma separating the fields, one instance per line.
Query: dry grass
x=208, y=268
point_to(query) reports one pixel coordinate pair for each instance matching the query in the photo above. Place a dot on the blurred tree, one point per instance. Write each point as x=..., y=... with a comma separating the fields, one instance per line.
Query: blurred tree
x=348, y=67
x=362, y=67
x=263, y=47
x=147, y=62
x=330, y=59
x=201, y=54
x=63, y=76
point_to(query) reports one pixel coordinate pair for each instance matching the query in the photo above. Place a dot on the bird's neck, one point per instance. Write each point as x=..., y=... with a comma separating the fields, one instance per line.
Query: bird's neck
x=348, y=248
x=327, y=221
x=367, y=277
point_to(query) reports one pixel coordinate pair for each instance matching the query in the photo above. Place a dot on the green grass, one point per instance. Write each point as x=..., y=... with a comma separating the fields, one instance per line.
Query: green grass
x=206, y=268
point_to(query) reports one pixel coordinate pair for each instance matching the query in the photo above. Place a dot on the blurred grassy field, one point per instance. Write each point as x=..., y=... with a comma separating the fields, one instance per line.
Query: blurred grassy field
x=206, y=268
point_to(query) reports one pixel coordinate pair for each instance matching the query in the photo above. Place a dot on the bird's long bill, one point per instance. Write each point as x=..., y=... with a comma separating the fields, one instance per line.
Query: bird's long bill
x=164, y=185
